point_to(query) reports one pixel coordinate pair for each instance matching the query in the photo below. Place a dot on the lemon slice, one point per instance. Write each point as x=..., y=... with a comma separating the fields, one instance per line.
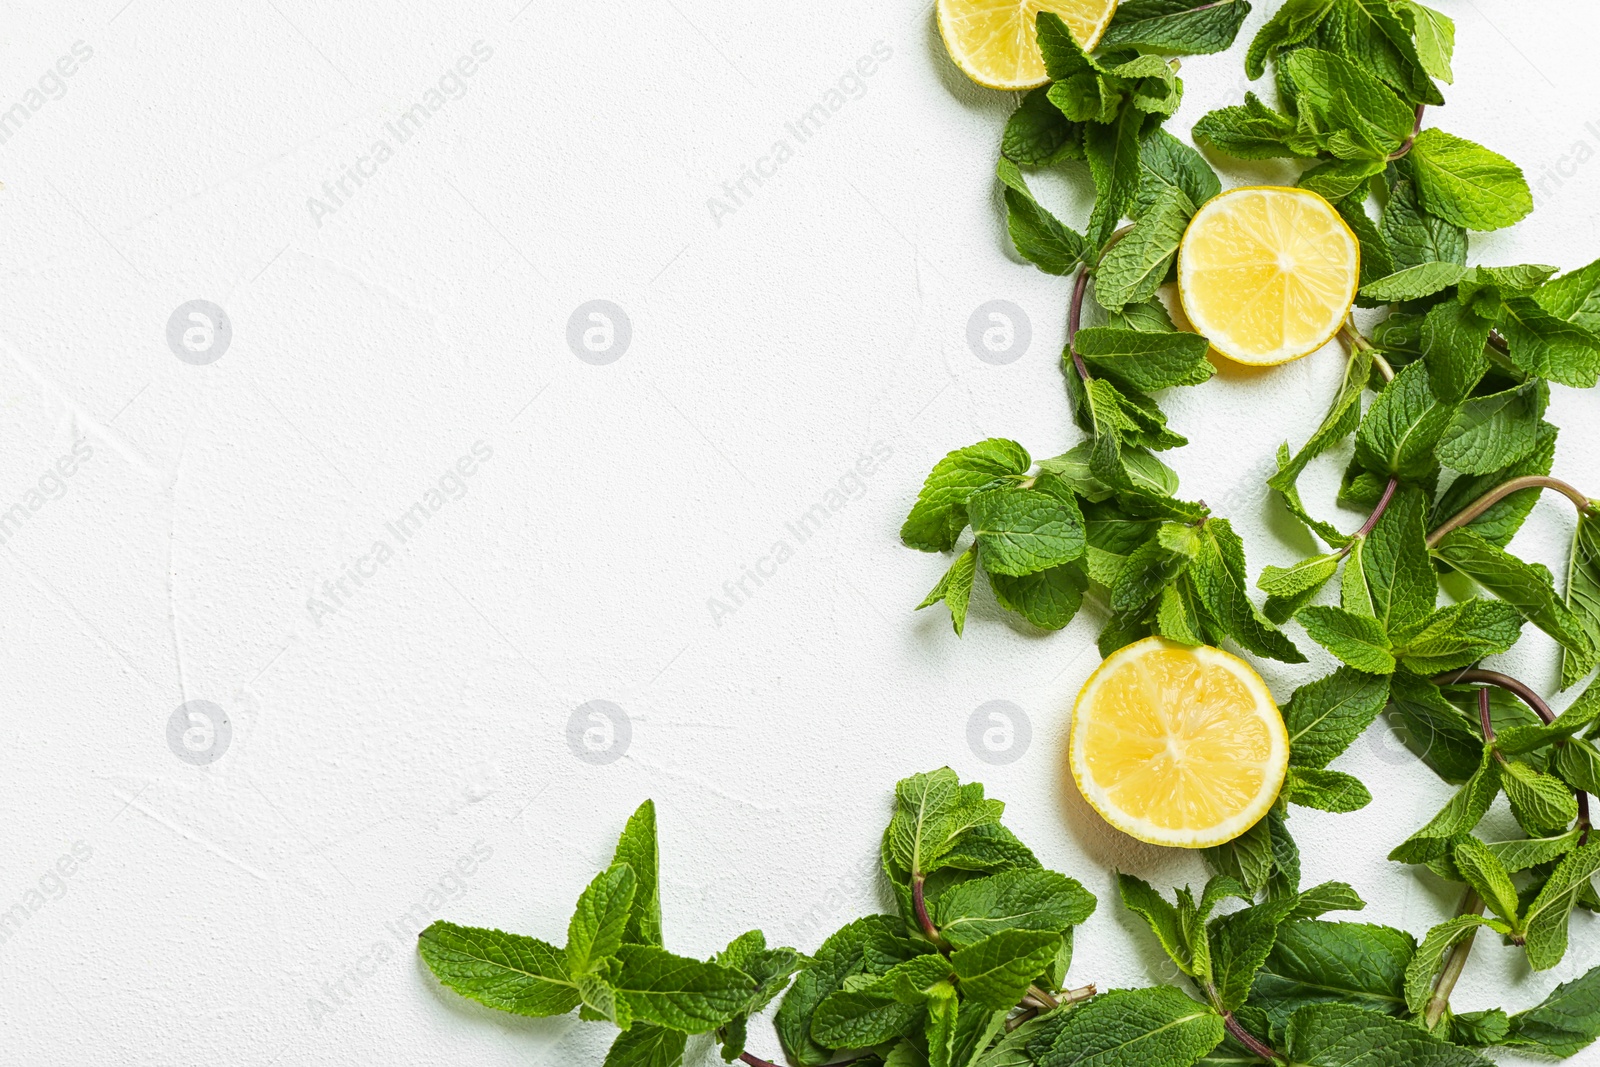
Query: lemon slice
x=993, y=41
x=1178, y=745
x=1267, y=274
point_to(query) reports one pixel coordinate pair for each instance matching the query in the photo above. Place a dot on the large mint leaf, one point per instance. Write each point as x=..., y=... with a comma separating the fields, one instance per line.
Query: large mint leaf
x=841, y=956
x=1545, y=920
x=996, y=971
x=1337, y=1035
x=1133, y=269
x=1221, y=583
x=955, y=589
x=1020, y=531
x=1357, y=640
x=601, y=918
x=1400, y=430
x=1142, y=360
x=1326, y=715
x=1039, y=236
x=1466, y=183
x=1037, y=134
x=1317, y=962
x=643, y=1045
x=940, y=513
x=637, y=848
x=1156, y=1027
x=1565, y=1023
x=678, y=992
x=1020, y=900
x=1188, y=27
x=505, y=971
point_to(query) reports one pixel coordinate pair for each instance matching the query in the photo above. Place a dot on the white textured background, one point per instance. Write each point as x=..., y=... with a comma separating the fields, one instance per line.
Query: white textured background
x=254, y=910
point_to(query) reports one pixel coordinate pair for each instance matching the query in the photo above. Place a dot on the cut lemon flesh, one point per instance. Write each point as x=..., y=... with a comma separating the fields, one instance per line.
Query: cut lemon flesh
x=1178, y=745
x=994, y=43
x=1267, y=274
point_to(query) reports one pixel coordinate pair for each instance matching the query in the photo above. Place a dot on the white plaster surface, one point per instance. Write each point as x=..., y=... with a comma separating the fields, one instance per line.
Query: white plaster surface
x=253, y=910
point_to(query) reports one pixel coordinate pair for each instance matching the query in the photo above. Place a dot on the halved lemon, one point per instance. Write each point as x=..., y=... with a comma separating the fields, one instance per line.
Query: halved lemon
x=1267, y=274
x=993, y=41
x=1178, y=745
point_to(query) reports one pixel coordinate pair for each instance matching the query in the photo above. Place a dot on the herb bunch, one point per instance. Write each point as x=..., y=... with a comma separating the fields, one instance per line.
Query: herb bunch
x=969, y=968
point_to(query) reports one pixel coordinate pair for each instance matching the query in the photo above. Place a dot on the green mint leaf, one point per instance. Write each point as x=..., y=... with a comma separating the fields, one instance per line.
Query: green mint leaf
x=597, y=927
x=1063, y=55
x=1467, y=184
x=1337, y=1035
x=1355, y=595
x=1574, y=297
x=1541, y=803
x=1220, y=581
x=1480, y=1029
x=1148, y=316
x=1464, y=811
x=1148, y=569
x=989, y=847
x=769, y=969
x=943, y=1024
x=1337, y=179
x=1371, y=35
x=1307, y=576
x=1240, y=943
x=1334, y=93
x=1578, y=763
x=1038, y=135
x=1413, y=283
x=1354, y=639
x=1142, y=360
x=1020, y=531
x=1049, y=598
x=1189, y=27
x=955, y=589
x=1113, y=153
x=1335, y=791
x=1157, y=90
x=1247, y=858
x=1424, y=967
x=1156, y=1027
x=1547, y=346
x=996, y=971
x=678, y=992
x=1377, y=260
x=1545, y=920
x=1501, y=522
x=1291, y=24
x=1134, y=268
x=1343, y=416
x=505, y=971
x=1166, y=163
x=1012, y=900
x=1565, y=1023
x=932, y=812
x=1416, y=237
x=637, y=848
x=1437, y=731
x=1317, y=962
x=840, y=957
x=1521, y=853
x=1395, y=561
x=644, y=1045
x=1285, y=880
x=1583, y=593
x=1490, y=432
x=1325, y=716
x=861, y=1018
x=1435, y=35
x=1452, y=339
x=1087, y=97
x=1329, y=896
x=1038, y=236
x=940, y=513
x=601, y=1001
x=1400, y=430
x=1484, y=872
x=1458, y=635
x=1524, y=586
x=1141, y=898
x=1252, y=131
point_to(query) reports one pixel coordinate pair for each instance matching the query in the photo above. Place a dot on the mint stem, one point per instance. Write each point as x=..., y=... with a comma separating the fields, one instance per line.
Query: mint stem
x=919, y=904
x=1355, y=339
x=1405, y=146
x=1075, y=316
x=1488, y=500
x=1454, y=964
x=1377, y=512
x=1234, y=1027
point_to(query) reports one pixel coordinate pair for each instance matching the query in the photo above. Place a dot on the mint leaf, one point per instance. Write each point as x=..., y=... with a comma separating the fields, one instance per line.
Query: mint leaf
x=1247, y=858
x=598, y=925
x=1312, y=787
x=1399, y=574
x=1490, y=432
x=1113, y=154
x=1191, y=27
x=955, y=589
x=1020, y=531
x=1012, y=900
x=1038, y=236
x=863, y=1018
x=1325, y=716
x=1578, y=763
x=1400, y=430
x=1133, y=269
x=1335, y=95
x=1141, y=898
x=1289, y=589
x=1464, y=811
x=944, y=1014
x=1291, y=24
x=1435, y=35
x=1157, y=1027
x=1037, y=134
x=1166, y=163
x=1142, y=360
x=1337, y=1035
x=505, y=971
x=940, y=513
x=1354, y=639
x=1466, y=183
x=1413, y=283
x=1565, y=1023
x=1240, y=943
x=1480, y=1029
x=1485, y=873
x=644, y=1045
x=1436, y=730
x=1049, y=598
x=678, y=992
x=1414, y=236
x=1424, y=967
x=932, y=812
x=996, y=971
x=1583, y=594
x=1541, y=803
x=840, y=957
x=1317, y=962
x=1574, y=297
x=1220, y=582
x=1525, y=587
x=1545, y=920
x=1547, y=346
x=1501, y=522
x=1370, y=34
x=1525, y=852
x=1253, y=131
x=1457, y=636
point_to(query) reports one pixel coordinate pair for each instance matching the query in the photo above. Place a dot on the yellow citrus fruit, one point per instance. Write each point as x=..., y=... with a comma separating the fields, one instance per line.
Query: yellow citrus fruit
x=1178, y=745
x=1267, y=274
x=994, y=43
